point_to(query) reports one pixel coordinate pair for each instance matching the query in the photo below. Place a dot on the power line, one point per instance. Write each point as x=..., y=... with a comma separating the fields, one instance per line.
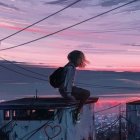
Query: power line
x=23, y=67
x=108, y=108
x=23, y=74
x=111, y=124
x=26, y=69
x=26, y=75
x=70, y=26
x=41, y=20
x=34, y=72
x=112, y=87
x=33, y=132
x=5, y=125
x=90, y=85
x=77, y=83
x=42, y=75
x=112, y=107
x=46, y=75
x=129, y=121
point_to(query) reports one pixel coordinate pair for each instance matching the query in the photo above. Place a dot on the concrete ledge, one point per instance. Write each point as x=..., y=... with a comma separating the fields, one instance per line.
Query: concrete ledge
x=42, y=103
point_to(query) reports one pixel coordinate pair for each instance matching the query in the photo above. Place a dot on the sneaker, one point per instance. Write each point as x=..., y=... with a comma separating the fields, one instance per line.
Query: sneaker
x=77, y=117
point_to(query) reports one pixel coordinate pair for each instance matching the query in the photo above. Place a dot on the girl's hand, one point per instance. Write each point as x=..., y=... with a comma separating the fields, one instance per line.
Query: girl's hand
x=71, y=97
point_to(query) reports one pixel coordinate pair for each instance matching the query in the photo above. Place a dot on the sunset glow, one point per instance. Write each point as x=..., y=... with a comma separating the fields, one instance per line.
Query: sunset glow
x=110, y=42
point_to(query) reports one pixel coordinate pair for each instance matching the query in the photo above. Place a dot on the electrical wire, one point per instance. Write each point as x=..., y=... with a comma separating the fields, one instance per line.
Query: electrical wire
x=23, y=67
x=42, y=79
x=120, y=104
x=47, y=75
x=40, y=20
x=4, y=126
x=77, y=83
x=131, y=122
x=33, y=132
x=108, y=125
x=108, y=108
x=112, y=87
x=113, y=9
x=40, y=73
x=26, y=75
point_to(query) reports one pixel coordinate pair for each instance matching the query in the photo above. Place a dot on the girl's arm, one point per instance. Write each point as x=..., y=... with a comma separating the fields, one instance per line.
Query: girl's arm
x=69, y=80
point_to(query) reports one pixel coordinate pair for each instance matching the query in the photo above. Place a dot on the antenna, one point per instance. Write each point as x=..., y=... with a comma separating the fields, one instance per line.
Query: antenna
x=36, y=94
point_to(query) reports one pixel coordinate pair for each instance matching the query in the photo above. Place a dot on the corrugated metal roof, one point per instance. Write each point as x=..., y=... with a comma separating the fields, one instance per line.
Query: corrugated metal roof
x=41, y=103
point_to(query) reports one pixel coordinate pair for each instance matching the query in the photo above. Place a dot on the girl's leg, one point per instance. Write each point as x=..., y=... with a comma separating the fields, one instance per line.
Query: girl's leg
x=80, y=94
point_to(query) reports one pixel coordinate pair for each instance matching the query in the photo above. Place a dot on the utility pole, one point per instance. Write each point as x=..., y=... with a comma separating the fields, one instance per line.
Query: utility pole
x=120, y=122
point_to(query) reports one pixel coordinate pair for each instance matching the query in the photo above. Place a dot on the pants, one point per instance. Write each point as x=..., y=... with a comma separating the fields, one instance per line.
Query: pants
x=79, y=94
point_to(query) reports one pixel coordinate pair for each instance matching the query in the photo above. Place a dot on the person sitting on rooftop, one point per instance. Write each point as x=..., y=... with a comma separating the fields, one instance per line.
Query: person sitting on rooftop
x=67, y=89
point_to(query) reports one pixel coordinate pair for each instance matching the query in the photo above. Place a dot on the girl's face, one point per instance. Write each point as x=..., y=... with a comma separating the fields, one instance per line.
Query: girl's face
x=79, y=61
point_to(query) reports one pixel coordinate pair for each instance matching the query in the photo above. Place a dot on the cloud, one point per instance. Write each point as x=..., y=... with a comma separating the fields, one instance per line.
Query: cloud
x=9, y=6
x=97, y=49
x=135, y=8
x=57, y=2
x=133, y=44
x=91, y=3
x=108, y=3
x=80, y=4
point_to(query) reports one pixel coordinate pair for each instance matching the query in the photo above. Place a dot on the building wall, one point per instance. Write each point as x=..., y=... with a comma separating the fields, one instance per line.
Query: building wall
x=133, y=121
x=62, y=128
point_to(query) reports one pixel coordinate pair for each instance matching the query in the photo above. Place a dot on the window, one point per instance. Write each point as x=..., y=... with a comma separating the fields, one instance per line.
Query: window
x=6, y=114
x=138, y=113
x=36, y=114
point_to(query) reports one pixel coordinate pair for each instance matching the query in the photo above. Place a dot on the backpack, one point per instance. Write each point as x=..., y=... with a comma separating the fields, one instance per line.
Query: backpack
x=57, y=77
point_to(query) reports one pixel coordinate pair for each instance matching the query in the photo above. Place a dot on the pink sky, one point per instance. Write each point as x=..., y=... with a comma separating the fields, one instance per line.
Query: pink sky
x=111, y=42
